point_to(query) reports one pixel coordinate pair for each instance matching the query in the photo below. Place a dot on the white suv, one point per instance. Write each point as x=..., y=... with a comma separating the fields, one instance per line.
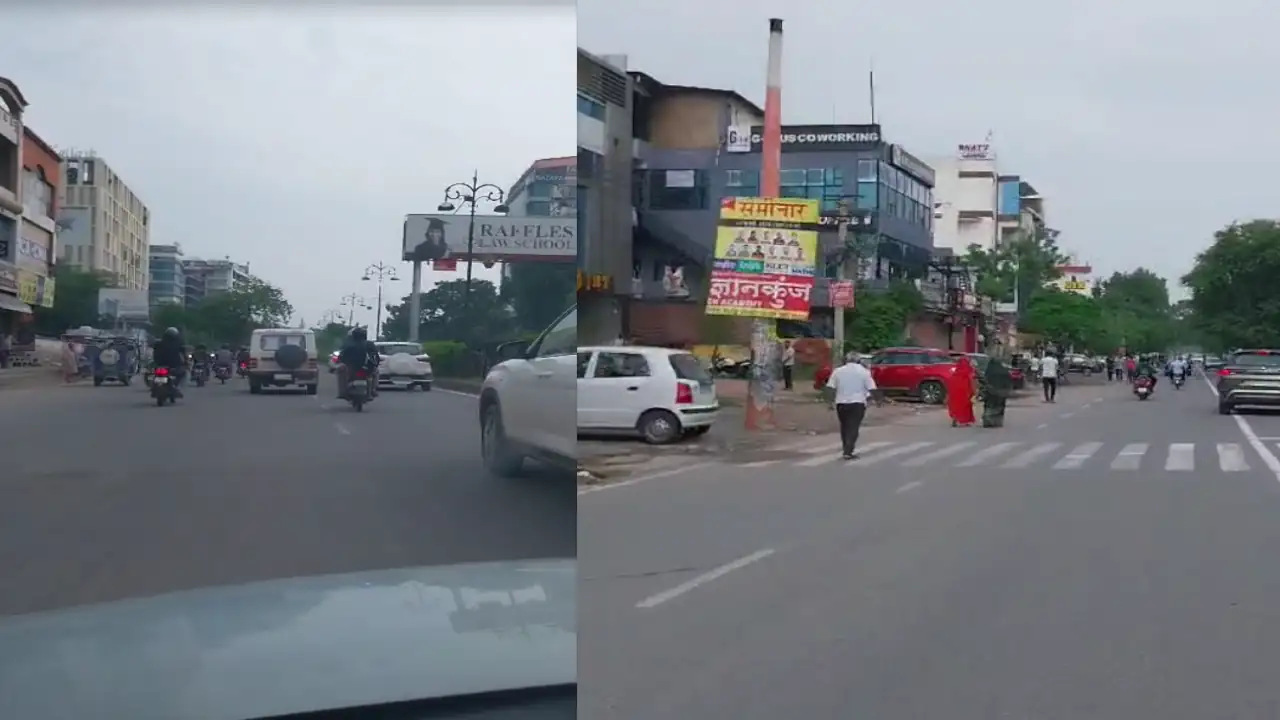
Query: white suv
x=404, y=365
x=528, y=404
x=283, y=357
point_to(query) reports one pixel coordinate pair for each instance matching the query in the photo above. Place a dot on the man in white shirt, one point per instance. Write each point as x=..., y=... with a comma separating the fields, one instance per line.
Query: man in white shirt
x=853, y=386
x=1049, y=377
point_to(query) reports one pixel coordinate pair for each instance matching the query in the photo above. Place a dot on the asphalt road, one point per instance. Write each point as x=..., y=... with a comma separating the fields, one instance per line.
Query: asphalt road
x=1100, y=558
x=103, y=495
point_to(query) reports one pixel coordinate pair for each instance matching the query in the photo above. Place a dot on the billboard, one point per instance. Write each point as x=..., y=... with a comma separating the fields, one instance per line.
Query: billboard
x=124, y=304
x=765, y=258
x=496, y=237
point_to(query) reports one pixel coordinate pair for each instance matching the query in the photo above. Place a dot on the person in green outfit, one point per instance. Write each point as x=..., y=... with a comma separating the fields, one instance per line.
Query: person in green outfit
x=994, y=387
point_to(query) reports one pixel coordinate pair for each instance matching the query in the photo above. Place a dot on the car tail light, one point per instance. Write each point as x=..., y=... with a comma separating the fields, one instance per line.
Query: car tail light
x=684, y=394
x=161, y=372
x=1224, y=372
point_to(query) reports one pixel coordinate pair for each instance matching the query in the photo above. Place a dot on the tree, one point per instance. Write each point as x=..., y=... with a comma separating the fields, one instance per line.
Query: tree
x=879, y=320
x=1065, y=318
x=445, y=315
x=539, y=292
x=75, y=300
x=1136, y=306
x=1235, y=299
x=1026, y=262
x=232, y=316
x=330, y=337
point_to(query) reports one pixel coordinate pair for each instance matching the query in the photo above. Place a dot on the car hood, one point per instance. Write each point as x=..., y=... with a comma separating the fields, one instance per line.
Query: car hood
x=296, y=645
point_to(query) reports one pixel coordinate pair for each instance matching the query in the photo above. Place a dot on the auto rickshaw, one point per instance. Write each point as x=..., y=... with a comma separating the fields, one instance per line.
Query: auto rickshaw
x=116, y=360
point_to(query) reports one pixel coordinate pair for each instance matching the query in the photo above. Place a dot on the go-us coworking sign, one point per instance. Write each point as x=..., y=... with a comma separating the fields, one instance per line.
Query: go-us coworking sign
x=497, y=237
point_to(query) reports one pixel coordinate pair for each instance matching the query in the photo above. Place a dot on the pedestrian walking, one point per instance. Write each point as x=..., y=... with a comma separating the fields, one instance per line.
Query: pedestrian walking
x=70, y=364
x=1049, y=377
x=960, y=391
x=853, y=386
x=1131, y=368
x=994, y=388
x=788, y=364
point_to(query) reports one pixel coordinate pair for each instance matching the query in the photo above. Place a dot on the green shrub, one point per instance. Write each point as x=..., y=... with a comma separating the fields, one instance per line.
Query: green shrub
x=449, y=358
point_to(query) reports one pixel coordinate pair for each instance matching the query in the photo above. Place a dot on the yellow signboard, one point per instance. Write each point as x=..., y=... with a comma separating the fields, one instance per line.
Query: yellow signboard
x=767, y=250
x=782, y=210
x=1075, y=286
x=35, y=290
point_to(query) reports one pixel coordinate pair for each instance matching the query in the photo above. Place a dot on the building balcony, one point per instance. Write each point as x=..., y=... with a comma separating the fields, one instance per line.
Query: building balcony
x=10, y=127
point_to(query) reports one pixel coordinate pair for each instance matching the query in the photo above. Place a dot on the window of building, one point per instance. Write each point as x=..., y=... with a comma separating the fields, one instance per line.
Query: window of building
x=590, y=108
x=794, y=178
x=867, y=171
x=539, y=189
x=868, y=196
x=538, y=208
x=677, y=189
x=588, y=164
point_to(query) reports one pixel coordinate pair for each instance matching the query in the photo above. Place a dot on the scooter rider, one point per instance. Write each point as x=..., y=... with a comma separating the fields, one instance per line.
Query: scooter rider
x=1147, y=371
x=353, y=356
x=169, y=353
x=1178, y=370
x=224, y=358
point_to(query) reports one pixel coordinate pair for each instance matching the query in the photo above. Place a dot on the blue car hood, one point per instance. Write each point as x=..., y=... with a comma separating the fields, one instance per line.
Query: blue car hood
x=295, y=645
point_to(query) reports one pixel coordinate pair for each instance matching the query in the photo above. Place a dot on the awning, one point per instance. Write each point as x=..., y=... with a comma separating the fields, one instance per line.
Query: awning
x=13, y=304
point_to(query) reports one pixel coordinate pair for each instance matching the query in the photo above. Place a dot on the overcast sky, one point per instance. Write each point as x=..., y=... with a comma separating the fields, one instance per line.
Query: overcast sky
x=1148, y=126
x=297, y=141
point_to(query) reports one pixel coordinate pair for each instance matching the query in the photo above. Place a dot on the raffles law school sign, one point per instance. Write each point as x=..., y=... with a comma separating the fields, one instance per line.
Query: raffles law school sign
x=765, y=258
x=446, y=239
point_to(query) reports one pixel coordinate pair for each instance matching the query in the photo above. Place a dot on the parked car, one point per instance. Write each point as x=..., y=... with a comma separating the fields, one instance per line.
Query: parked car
x=660, y=394
x=527, y=401
x=914, y=372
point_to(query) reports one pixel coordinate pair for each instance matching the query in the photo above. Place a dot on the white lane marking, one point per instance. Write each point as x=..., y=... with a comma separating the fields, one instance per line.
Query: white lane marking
x=825, y=459
x=1269, y=458
x=342, y=428
x=759, y=463
x=1042, y=426
x=1182, y=457
x=1077, y=457
x=1066, y=415
x=1130, y=458
x=684, y=587
x=986, y=454
x=1026, y=457
x=893, y=452
x=956, y=449
x=325, y=406
x=909, y=487
x=1231, y=458
x=815, y=449
x=454, y=392
x=644, y=478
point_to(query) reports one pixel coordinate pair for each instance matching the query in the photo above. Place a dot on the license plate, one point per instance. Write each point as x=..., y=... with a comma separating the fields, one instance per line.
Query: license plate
x=283, y=376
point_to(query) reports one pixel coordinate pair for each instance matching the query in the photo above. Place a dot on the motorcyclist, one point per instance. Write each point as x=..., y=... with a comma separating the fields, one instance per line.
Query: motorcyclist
x=169, y=352
x=353, y=356
x=1146, y=370
x=224, y=358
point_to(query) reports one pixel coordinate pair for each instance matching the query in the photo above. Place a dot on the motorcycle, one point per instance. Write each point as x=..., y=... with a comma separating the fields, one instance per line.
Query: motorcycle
x=1178, y=380
x=223, y=373
x=164, y=387
x=200, y=374
x=243, y=370
x=1142, y=388
x=725, y=367
x=358, y=390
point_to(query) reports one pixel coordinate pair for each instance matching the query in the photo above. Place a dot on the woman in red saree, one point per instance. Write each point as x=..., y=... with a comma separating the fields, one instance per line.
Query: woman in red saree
x=960, y=389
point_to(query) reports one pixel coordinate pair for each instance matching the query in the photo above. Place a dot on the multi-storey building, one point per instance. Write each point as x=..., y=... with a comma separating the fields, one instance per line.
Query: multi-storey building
x=209, y=277
x=168, y=282
x=110, y=226
x=966, y=198
x=37, y=241
x=12, y=105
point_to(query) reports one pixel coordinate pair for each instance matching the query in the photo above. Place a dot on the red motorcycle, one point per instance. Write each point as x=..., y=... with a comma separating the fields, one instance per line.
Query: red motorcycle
x=1142, y=387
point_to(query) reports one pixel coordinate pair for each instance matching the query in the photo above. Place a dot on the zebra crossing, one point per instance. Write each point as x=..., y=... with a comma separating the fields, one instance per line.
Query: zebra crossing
x=1085, y=456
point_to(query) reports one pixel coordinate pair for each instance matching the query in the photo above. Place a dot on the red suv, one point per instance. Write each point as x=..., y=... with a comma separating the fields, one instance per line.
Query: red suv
x=913, y=372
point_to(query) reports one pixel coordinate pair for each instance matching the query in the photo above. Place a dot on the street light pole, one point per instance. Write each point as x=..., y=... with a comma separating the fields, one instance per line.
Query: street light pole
x=381, y=272
x=352, y=301
x=470, y=194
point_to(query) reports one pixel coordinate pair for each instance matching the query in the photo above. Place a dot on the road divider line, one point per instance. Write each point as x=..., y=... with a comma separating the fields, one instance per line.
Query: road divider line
x=1231, y=458
x=908, y=487
x=455, y=392
x=643, y=478
x=1181, y=457
x=894, y=452
x=825, y=459
x=342, y=429
x=1027, y=457
x=719, y=572
x=948, y=451
x=986, y=454
x=1268, y=458
x=1077, y=457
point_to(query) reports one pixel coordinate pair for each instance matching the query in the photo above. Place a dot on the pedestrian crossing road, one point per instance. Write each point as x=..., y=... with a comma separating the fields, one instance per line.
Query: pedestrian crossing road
x=1087, y=456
